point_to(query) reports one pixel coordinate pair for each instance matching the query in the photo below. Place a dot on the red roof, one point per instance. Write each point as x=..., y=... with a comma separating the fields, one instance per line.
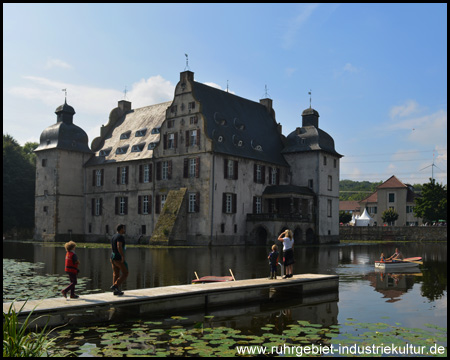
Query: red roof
x=349, y=206
x=392, y=182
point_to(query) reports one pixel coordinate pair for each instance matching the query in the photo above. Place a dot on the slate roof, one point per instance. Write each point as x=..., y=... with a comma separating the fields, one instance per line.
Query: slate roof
x=128, y=127
x=238, y=126
x=64, y=134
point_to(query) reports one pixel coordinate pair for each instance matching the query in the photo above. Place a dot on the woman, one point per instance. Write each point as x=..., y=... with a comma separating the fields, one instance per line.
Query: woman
x=287, y=238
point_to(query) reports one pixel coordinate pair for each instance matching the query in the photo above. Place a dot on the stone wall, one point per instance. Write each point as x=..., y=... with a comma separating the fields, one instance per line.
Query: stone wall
x=394, y=233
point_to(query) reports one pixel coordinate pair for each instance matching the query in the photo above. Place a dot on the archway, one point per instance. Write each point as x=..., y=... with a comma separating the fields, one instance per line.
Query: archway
x=298, y=236
x=310, y=237
x=261, y=235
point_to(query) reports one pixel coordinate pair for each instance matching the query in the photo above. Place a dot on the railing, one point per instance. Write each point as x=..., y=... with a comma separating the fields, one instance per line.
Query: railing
x=275, y=217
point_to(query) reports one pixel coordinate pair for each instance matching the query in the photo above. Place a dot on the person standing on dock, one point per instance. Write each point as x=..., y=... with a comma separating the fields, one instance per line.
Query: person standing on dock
x=287, y=238
x=71, y=268
x=119, y=265
x=273, y=262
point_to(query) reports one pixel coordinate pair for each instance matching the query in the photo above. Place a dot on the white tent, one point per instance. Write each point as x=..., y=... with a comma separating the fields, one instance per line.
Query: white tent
x=364, y=219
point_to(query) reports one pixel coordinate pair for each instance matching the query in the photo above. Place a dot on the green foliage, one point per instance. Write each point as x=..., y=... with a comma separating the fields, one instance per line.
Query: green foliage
x=389, y=216
x=18, y=342
x=432, y=206
x=19, y=175
x=356, y=190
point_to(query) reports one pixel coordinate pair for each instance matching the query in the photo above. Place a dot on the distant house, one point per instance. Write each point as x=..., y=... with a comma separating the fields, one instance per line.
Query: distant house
x=350, y=207
x=392, y=194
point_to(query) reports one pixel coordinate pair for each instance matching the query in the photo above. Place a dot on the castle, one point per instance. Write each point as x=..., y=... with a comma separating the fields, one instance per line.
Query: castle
x=207, y=168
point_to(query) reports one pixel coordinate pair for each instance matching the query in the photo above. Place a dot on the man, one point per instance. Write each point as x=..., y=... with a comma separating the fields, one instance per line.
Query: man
x=119, y=265
x=396, y=256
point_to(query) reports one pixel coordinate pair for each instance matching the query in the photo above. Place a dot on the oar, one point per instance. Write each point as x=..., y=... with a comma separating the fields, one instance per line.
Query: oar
x=232, y=276
x=196, y=275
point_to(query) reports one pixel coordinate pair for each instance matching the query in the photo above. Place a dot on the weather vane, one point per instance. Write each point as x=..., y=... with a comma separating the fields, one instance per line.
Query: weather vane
x=65, y=94
x=266, y=93
x=187, y=62
x=309, y=92
x=125, y=93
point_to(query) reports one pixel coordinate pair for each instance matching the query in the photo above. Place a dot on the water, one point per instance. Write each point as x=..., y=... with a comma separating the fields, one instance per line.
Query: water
x=413, y=300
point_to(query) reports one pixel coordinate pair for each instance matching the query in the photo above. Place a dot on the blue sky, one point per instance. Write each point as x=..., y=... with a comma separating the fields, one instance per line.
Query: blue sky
x=377, y=72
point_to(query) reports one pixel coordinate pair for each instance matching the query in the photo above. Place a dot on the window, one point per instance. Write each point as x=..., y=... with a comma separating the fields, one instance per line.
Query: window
x=44, y=162
x=138, y=147
x=257, y=207
x=122, y=149
x=143, y=229
x=170, y=123
x=163, y=200
x=229, y=203
x=194, y=201
x=330, y=183
x=409, y=209
x=145, y=204
x=156, y=130
x=152, y=145
x=125, y=135
x=258, y=174
x=329, y=208
x=99, y=177
x=191, y=105
x=97, y=207
x=171, y=143
x=105, y=152
x=335, y=163
x=121, y=205
x=310, y=183
x=165, y=170
x=230, y=169
x=274, y=177
x=141, y=132
x=372, y=209
x=324, y=160
x=146, y=174
x=193, y=120
x=192, y=167
x=123, y=178
x=193, y=137
x=391, y=197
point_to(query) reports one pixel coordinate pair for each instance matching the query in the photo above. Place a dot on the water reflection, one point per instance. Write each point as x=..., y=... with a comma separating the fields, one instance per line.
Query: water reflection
x=393, y=285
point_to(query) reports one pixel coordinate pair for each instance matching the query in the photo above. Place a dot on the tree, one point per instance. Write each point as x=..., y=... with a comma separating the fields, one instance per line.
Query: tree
x=19, y=174
x=432, y=205
x=344, y=217
x=389, y=216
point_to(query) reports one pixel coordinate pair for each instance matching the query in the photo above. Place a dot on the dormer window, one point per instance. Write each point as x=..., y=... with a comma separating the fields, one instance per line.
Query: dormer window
x=122, y=149
x=138, y=147
x=156, y=130
x=141, y=132
x=105, y=152
x=152, y=145
x=125, y=135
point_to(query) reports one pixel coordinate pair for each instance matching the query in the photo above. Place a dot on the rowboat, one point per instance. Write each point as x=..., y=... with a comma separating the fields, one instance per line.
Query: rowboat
x=407, y=263
x=211, y=279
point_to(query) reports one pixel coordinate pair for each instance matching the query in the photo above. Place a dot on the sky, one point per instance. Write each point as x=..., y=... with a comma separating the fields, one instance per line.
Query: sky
x=377, y=73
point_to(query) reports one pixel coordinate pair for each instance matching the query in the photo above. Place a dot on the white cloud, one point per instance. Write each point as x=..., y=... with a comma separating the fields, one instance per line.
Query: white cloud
x=152, y=91
x=410, y=107
x=214, y=85
x=51, y=63
x=290, y=71
x=350, y=68
x=294, y=24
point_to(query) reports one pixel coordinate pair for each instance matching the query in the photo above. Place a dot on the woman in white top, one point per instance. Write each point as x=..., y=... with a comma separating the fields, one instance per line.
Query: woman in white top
x=287, y=238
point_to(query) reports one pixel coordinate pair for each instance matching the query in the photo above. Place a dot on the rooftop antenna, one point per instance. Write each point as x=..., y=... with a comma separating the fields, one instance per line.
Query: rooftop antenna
x=187, y=62
x=65, y=95
x=125, y=93
x=309, y=92
x=266, y=94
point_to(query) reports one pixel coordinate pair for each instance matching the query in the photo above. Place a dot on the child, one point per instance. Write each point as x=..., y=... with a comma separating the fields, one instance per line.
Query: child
x=71, y=268
x=273, y=262
x=382, y=259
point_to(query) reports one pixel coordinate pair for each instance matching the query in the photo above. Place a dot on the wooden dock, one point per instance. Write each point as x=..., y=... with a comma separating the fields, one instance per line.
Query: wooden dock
x=171, y=299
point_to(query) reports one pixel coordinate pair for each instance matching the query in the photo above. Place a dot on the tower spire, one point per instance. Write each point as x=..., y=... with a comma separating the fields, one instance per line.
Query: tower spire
x=65, y=94
x=309, y=92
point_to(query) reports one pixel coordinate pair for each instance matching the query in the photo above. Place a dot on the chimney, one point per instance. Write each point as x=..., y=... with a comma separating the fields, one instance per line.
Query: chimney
x=124, y=105
x=268, y=104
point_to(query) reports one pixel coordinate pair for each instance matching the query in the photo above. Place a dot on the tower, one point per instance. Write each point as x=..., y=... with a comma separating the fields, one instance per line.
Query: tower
x=59, y=198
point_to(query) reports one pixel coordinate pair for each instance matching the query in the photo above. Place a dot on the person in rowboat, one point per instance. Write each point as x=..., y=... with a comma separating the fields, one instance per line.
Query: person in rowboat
x=396, y=256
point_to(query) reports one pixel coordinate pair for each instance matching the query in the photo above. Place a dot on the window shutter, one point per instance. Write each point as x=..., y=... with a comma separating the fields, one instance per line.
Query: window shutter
x=198, y=137
x=270, y=176
x=139, y=204
x=101, y=206
x=175, y=141
x=254, y=173
x=118, y=175
x=263, y=174
x=225, y=168
x=93, y=207
x=278, y=176
x=126, y=174
x=150, y=172
x=117, y=206
x=224, y=203
x=102, y=176
x=234, y=203
x=150, y=204
x=235, y=170
x=141, y=173
x=93, y=177
x=254, y=204
x=126, y=206
x=185, y=167
x=197, y=167
x=165, y=141
x=158, y=204
x=187, y=138
x=169, y=169
x=197, y=202
x=158, y=170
